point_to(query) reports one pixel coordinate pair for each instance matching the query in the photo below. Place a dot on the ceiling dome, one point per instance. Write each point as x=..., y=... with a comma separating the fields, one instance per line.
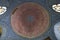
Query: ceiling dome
x=29, y=20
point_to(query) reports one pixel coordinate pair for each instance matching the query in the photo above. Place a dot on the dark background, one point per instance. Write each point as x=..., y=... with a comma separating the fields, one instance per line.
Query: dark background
x=11, y=4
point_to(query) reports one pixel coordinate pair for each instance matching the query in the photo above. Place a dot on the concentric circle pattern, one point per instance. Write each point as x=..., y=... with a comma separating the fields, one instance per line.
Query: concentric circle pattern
x=29, y=20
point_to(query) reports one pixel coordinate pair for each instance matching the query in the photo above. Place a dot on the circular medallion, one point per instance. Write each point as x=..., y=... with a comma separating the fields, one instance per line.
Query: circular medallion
x=57, y=30
x=29, y=20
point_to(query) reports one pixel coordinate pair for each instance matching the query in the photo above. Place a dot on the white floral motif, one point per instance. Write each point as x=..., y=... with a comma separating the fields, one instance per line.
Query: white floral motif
x=2, y=10
x=56, y=7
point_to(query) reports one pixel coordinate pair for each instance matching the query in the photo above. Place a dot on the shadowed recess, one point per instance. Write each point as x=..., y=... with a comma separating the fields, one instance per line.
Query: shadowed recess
x=0, y=31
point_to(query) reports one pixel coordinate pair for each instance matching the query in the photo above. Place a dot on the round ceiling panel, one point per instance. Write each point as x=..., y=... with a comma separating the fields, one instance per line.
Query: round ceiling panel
x=29, y=20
